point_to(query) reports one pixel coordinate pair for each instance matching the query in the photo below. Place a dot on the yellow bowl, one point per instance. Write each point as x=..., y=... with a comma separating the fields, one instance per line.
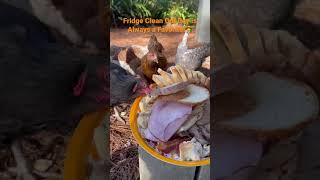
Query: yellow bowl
x=80, y=146
x=134, y=128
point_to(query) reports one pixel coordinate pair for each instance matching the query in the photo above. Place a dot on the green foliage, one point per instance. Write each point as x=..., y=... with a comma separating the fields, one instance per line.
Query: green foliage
x=182, y=9
x=130, y=8
x=156, y=9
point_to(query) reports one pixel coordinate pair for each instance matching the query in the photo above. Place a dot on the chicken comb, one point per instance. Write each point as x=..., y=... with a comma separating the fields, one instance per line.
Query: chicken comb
x=80, y=85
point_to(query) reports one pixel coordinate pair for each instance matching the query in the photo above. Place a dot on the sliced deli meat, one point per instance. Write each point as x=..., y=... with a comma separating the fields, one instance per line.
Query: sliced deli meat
x=150, y=136
x=172, y=145
x=166, y=118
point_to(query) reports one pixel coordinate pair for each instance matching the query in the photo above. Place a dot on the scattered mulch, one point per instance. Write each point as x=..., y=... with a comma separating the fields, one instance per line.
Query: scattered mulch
x=127, y=166
x=43, y=145
x=123, y=147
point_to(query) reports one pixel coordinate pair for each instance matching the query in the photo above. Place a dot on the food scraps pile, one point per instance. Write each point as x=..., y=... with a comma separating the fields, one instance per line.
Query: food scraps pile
x=175, y=117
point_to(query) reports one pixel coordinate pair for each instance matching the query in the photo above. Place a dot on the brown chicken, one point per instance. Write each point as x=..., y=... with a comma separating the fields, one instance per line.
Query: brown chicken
x=155, y=45
x=151, y=62
x=154, y=59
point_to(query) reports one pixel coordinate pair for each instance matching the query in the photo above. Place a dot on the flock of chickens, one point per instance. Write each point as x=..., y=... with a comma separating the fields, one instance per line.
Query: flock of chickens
x=142, y=62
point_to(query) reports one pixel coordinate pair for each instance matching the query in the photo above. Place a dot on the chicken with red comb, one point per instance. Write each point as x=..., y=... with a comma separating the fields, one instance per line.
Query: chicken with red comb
x=154, y=59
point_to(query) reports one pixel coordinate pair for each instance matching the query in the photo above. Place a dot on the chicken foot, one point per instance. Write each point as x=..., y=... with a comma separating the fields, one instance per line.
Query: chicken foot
x=23, y=172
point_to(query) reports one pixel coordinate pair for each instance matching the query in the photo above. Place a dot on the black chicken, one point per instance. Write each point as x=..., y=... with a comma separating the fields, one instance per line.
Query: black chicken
x=124, y=86
x=45, y=85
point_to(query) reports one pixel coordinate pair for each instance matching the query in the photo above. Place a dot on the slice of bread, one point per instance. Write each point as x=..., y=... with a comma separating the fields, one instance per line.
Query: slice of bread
x=178, y=75
x=232, y=104
x=228, y=33
x=202, y=78
x=159, y=80
x=189, y=75
x=175, y=74
x=170, y=89
x=255, y=44
x=283, y=107
x=174, y=97
x=197, y=95
x=207, y=83
x=166, y=76
x=195, y=78
x=182, y=73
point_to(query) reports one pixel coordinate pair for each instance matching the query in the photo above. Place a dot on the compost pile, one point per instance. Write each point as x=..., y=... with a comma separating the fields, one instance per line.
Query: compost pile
x=175, y=117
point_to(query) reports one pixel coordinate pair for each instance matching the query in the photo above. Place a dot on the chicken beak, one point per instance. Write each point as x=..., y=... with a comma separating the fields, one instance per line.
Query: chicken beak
x=153, y=57
x=156, y=60
x=141, y=88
